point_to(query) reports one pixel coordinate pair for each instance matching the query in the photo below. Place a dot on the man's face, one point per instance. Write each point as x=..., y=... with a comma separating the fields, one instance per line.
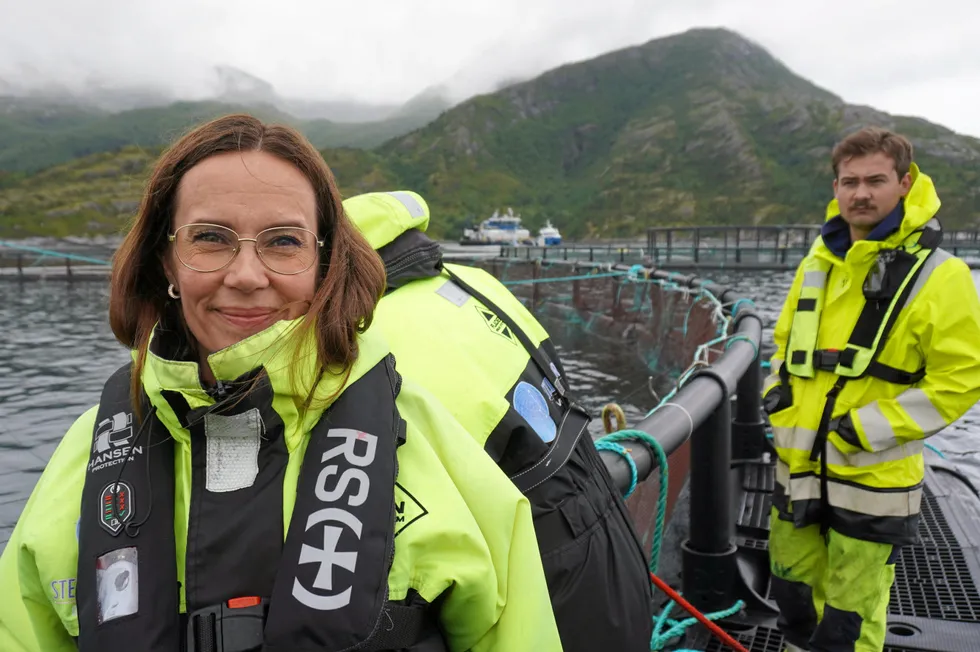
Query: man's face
x=868, y=189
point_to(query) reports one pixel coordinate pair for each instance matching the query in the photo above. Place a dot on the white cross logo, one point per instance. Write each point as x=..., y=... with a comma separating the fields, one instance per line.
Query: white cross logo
x=327, y=557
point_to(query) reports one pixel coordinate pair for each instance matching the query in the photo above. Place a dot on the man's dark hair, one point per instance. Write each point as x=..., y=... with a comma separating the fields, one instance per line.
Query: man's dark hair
x=874, y=140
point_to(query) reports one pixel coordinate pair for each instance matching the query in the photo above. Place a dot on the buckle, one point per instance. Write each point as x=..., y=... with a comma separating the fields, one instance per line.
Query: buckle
x=826, y=359
x=234, y=626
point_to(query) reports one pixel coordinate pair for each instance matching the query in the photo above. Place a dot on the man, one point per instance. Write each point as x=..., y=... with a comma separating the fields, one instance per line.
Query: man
x=466, y=338
x=878, y=348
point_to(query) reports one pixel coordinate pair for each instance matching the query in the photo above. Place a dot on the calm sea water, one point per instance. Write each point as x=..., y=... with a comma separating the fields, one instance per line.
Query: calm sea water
x=56, y=351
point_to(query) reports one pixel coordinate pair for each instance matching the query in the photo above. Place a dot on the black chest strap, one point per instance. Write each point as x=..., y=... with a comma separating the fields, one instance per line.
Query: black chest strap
x=870, y=322
x=573, y=420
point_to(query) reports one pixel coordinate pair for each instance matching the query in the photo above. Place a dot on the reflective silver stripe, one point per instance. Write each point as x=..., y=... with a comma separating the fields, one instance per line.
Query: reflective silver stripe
x=802, y=439
x=858, y=499
x=877, y=429
x=864, y=458
x=793, y=437
x=920, y=409
x=814, y=279
x=415, y=209
x=938, y=257
x=880, y=432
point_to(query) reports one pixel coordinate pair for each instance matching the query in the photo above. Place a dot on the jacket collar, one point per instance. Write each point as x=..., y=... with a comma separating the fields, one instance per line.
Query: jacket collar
x=836, y=232
x=281, y=351
x=913, y=213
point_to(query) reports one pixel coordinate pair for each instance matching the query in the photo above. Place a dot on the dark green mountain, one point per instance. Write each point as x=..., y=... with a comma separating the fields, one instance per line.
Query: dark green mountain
x=37, y=134
x=703, y=127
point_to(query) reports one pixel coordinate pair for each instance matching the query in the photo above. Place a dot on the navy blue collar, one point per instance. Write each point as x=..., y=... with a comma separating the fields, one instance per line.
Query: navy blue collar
x=836, y=233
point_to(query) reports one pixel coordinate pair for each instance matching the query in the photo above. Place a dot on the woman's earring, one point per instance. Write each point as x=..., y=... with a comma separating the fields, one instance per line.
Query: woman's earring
x=172, y=292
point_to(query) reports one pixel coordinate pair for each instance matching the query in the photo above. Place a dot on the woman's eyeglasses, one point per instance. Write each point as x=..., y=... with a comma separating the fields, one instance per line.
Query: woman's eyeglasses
x=210, y=247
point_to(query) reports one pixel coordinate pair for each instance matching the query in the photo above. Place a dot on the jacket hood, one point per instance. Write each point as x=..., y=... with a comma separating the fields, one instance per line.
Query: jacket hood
x=286, y=355
x=395, y=223
x=383, y=216
x=919, y=206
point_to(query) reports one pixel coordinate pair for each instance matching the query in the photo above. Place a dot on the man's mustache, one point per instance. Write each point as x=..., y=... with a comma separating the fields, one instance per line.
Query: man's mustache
x=861, y=204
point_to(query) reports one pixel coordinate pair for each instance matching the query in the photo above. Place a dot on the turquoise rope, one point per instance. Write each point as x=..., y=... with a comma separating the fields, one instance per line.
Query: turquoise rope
x=676, y=628
x=744, y=338
x=54, y=254
x=738, y=303
x=580, y=277
x=624, y=435
x=616, y=448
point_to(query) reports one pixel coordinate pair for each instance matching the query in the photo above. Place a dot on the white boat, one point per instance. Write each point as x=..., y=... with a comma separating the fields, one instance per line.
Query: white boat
x=497, y=229
x=548, y=236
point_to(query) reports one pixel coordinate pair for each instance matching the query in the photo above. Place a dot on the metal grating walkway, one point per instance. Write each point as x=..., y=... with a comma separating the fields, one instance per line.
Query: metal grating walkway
x=764, y=639
x=932, y=582
x=934, y=603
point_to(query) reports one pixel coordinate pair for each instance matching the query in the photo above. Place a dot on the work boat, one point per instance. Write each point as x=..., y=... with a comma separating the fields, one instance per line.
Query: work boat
x=701, y=464
x=497, y=229
x=548, y=236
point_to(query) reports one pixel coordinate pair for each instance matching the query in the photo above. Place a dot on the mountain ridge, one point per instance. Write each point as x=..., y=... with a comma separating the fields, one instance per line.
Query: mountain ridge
x=701, y=127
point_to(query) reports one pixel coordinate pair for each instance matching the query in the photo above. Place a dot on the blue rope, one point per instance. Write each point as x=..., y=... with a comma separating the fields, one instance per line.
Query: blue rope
x=744, y=338
x=581, y=277
x=738, y=303
x=636, y=271
x=678, y=627
x=54, y=254
x=601, y=445
x=936, y=451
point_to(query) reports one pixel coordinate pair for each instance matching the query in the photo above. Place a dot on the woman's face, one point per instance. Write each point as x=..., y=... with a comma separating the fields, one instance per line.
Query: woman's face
x=247, y=192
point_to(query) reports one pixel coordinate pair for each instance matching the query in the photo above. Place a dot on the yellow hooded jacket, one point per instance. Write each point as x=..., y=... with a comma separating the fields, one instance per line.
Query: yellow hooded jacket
x=875, y=489
x=471, y=543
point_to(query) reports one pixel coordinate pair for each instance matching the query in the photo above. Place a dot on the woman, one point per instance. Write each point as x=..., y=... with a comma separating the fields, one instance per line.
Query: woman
x=233, y=490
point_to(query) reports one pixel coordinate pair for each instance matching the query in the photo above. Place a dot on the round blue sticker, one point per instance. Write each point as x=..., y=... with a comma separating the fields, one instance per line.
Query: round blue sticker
x=530, y=403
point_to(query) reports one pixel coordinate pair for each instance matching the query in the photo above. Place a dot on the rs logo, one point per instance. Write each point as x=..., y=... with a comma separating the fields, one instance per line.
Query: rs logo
x=328, y=556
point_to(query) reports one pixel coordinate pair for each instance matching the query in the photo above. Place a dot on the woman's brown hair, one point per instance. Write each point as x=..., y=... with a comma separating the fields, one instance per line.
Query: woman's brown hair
x=351, y=277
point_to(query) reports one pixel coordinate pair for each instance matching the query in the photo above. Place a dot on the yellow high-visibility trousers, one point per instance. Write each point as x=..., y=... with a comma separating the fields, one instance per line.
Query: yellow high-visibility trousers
x=832, y=590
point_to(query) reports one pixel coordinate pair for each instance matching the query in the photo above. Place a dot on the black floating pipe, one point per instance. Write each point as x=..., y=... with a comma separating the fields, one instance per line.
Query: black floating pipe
x=693, y=404
x=748, y=427
x=709, y=564
x=712, y=522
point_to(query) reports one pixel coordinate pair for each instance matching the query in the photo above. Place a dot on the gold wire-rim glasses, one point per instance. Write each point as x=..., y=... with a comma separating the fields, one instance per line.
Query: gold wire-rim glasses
x=172, y=237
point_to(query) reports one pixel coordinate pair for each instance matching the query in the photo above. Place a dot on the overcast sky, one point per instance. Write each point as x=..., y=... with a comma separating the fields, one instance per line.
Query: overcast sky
x=901, y=56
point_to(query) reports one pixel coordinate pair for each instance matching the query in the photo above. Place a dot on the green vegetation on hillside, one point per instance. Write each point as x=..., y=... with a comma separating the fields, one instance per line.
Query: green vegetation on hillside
x=34, y=137
x=699, y=128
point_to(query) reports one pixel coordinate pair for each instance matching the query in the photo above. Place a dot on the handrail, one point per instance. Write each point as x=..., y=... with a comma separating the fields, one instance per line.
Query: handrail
x=701, y=394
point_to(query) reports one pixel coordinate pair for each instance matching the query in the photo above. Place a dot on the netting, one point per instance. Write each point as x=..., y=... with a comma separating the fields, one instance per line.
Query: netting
x=668, y=325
